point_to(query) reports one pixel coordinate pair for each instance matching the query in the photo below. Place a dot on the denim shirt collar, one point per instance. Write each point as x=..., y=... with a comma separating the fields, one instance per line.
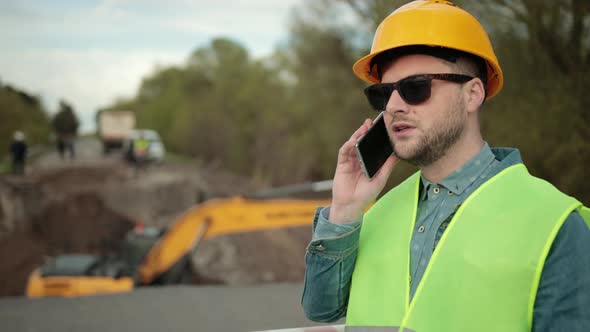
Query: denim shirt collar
x=464, y=176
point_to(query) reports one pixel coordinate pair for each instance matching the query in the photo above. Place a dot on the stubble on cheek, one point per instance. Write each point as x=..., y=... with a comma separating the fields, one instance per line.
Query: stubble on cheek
x=429, y=145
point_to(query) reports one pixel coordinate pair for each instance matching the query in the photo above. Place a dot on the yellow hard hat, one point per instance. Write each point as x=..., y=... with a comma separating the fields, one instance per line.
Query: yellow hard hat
x=432, y=23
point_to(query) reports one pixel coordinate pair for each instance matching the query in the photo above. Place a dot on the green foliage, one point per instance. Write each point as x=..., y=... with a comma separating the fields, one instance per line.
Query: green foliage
x=282, y=119
x=5, y=166
x=543, y=107
x=22, y=111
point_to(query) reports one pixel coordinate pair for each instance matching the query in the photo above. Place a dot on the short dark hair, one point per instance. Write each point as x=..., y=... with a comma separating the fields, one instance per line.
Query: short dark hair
x=447, y=54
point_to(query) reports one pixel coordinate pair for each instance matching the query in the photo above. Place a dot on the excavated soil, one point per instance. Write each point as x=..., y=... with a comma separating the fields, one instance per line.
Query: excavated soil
x=88, y=208
x=79, y=224
x=254, y=257
x=19, y=254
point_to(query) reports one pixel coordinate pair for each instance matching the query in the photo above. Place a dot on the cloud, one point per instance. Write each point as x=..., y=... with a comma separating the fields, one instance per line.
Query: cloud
x=88, y=79
x=143, y=24
x=91, y=51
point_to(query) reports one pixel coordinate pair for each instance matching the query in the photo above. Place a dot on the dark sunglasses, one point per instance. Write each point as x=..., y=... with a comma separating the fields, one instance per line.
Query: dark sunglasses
x=413, y=89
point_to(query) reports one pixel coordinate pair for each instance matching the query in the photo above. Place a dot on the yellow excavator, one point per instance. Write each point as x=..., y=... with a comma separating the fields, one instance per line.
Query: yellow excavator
x=160, y=256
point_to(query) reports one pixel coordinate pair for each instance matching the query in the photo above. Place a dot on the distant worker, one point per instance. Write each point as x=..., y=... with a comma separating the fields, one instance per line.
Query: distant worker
x=139, y=151
x=65, y=123
x=65, y=144
x=61, y=147
x=18, y=150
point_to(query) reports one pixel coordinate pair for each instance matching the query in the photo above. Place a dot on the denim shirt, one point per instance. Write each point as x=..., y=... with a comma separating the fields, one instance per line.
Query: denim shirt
x=563, y=296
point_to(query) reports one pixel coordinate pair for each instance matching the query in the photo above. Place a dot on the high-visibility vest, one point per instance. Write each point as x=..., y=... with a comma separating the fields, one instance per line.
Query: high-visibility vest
x=140, y=147
x=484, y=272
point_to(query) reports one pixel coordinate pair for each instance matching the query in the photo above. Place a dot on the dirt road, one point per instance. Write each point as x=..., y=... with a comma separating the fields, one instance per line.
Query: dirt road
x=181, y=308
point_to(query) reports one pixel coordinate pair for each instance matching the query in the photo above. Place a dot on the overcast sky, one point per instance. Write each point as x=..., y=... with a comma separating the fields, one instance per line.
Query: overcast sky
x=93, y=51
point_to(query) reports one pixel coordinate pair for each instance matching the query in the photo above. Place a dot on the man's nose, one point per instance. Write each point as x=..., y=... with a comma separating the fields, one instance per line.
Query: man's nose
x=396, y=104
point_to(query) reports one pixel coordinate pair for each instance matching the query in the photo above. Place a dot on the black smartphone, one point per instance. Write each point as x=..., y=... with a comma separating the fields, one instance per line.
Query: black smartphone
x=374, y=147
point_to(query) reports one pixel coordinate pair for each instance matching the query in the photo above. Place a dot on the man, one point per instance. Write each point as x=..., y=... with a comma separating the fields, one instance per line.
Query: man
x=470, y=243
x=18, y=150
x=139, y=151
x=65, y=143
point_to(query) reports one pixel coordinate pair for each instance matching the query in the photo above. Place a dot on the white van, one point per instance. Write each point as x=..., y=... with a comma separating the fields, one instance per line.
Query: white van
x=156, y=150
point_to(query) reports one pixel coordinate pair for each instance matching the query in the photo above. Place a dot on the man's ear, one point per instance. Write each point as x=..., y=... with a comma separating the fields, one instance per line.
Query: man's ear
x=474, y=94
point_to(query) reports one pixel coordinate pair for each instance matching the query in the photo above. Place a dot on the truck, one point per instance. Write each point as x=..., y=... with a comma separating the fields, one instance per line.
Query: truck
x=114, y=128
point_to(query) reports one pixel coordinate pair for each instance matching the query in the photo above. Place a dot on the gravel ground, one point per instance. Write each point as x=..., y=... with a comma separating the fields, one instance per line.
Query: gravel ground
x=178, y=308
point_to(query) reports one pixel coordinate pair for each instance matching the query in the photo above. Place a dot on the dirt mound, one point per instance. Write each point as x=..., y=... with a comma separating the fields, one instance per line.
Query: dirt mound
x=79, y=224
x=80, y=178
x=19, y=254
x=88, y=208
x=254, y=257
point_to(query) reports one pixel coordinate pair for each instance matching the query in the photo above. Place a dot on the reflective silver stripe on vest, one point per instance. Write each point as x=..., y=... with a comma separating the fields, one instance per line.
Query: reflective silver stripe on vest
x=375, y=329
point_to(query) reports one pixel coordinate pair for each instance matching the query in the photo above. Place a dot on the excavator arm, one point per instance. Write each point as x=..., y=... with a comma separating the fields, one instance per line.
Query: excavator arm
x=219, y=217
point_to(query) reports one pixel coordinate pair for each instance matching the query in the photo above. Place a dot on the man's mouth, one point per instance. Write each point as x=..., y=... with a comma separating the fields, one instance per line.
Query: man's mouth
x=402, y=127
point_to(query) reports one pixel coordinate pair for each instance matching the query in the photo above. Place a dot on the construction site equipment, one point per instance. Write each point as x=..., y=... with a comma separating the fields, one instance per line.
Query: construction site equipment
x=219, y=217
x=68, y=286
x=77, y=275
x=169, y=251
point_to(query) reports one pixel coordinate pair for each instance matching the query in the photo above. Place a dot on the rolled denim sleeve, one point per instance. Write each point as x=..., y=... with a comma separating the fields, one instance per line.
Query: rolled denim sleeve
x=329, y=262
x=563, y=297
x=323, y=229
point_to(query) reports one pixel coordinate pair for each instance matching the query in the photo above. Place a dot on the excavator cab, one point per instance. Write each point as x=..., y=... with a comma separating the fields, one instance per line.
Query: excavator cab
x=76, y=275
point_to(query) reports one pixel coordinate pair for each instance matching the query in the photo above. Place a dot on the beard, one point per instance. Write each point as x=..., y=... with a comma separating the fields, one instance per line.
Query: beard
x=435, y=143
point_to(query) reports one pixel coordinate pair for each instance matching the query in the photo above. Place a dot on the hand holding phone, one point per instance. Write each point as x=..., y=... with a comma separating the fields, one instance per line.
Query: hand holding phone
x=355, y=186
x=374, y=147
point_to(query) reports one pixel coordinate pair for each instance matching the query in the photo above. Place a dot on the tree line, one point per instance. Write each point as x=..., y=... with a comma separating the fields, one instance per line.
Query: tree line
x=282, y=119
x=23, y=111
x=20, y=110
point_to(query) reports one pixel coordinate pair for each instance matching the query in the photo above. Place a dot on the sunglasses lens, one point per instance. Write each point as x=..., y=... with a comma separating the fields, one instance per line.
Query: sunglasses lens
x=378, y=95
x=415, y=91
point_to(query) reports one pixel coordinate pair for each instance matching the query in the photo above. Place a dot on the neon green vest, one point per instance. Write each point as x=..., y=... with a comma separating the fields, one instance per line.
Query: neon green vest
x=140, y=147
x=484, y=273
